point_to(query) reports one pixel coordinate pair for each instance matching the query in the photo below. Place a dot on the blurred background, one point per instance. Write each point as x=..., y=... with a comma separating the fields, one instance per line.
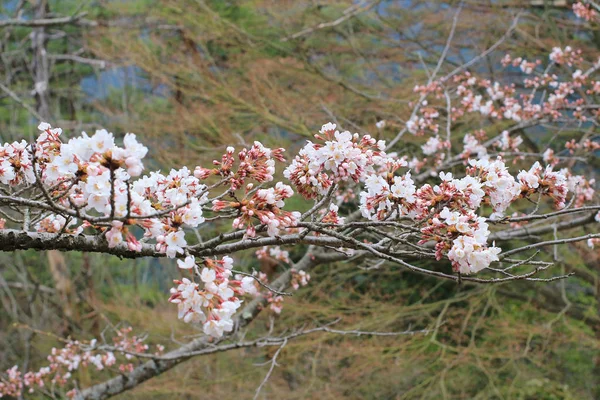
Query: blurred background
x=191, y=77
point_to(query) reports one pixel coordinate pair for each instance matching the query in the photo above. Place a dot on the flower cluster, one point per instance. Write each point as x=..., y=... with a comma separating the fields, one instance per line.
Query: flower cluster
x=461, y=227
x=456, y=230
x=275, y=301
x=91, y=176
x=274, y=252
x=63, y=362
x=388, y=196
x=257, y=163
x=508, y=142
x=470, y=256
x=466, y=192
x=417, y=125
x=566, y=56
x=332, y=215
x=96, y=156
x=299, y=278
x=16, y=163
x=498, y=101
x=497, y=183
x=56, y=224
x=584, y=11
x=465, y=235
x=527, y=67
x=544, y=181
x=214, y=302
x=587, y=146
x=343, y=156
x=182, y=194
x=434, y=145
x=266, y=206
x=473, y=148
x=582, y=188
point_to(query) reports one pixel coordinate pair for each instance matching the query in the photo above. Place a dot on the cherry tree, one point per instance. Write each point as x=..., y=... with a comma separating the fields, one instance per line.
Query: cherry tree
x=452, y=212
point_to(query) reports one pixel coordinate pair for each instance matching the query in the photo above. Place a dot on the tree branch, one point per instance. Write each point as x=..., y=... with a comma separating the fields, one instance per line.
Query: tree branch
x=152, y=368
x=42, y=22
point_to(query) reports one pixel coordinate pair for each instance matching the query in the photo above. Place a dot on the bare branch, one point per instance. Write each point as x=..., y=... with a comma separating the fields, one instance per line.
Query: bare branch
x=42, y=22
x=348, y=13
x=271, y=368
x=20, y=102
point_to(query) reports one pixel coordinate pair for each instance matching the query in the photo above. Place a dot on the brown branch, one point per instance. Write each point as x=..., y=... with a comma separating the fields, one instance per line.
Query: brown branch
x=11, y=240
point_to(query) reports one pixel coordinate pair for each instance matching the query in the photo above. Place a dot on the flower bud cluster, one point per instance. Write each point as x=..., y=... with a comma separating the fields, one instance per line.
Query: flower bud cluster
x=257, y=163
x=265, y=205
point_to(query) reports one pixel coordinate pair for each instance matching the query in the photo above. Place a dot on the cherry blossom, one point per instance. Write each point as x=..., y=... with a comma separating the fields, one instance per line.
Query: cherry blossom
x=274, y=252
x=545, y=181
x=75, y=355
x=444, y=196
x=498, y=184
x=265, y=205
x=343, y=156
x=446, y=201
x=212, y=301
x=257, y=163
x=584, y=11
